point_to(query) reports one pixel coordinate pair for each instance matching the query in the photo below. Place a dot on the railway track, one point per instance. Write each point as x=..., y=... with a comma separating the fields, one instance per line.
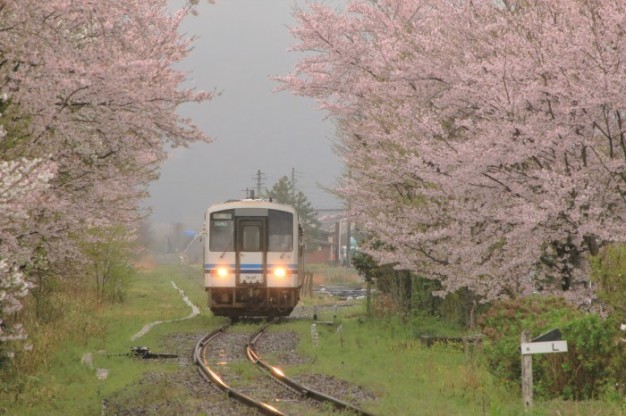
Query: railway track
x=282, y=391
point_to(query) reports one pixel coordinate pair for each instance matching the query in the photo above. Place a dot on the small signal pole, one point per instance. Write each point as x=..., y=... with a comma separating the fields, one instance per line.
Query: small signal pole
x=314, y=336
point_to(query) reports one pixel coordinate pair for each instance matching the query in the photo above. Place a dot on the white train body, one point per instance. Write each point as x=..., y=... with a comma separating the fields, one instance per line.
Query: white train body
x=252, y=258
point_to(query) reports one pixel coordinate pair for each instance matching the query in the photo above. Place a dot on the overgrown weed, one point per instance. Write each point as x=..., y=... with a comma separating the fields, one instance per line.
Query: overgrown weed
x=50, y=379
x=386, y=357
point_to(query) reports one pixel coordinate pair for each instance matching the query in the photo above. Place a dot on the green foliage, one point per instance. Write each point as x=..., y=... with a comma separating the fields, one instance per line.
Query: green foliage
x=596, y=359
x=395, y=286
x=590, y=366
x=16, y=126
x=333, y=275
x=110, y=251
x=384, y=356
x=460, y=308
x=365, y=266
x=435, y=326
x=411, y=294
x=609, y=272
x=284, y=192
x=50, y=379
x=45, y=303
x=535, y=314
x=58, y=314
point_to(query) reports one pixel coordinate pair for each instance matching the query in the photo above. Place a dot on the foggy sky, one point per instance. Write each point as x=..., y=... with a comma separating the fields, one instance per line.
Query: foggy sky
x=241, y=43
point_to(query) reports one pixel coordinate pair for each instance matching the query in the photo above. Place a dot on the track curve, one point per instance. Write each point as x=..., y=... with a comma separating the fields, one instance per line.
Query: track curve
x=277, y=374
x=297, y=391
x=210, y=375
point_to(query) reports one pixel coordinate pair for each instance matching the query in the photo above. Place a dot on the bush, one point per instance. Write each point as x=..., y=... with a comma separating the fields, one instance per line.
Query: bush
x=596, y=358
x=594, y=361
x=109, y=250
x=608, y=271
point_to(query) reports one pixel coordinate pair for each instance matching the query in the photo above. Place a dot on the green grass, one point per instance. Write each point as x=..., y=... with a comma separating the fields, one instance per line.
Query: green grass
x=332, y=275
x=385, y=358
x=67, y=387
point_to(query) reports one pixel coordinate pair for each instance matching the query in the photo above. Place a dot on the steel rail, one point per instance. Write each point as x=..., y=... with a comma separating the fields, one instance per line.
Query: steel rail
x=278, y=375
x=208, y=374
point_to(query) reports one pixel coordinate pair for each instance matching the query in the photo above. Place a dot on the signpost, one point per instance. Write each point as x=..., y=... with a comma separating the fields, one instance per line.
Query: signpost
x=547, y=343
x=543, y=347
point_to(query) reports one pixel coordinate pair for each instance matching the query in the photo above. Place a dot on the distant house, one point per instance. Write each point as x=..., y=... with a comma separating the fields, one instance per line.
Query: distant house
x=322, y=252
x=329, y=244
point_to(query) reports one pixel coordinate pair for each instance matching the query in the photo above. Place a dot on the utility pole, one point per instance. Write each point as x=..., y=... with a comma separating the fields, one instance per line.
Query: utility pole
x=348, y=238
x=259, y=181
x=349, y=233
x=338, y=244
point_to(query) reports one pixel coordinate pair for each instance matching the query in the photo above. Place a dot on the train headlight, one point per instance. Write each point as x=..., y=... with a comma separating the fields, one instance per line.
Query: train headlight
x=222, y=272
x=280, y=272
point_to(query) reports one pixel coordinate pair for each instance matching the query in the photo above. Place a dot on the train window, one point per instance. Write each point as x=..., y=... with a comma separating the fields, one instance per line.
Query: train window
x=280, y=226
x=251, y=238
x=221, y=235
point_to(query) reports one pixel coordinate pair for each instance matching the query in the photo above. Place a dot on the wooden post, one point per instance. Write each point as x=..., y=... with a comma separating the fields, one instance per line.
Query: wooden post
x=527, y=374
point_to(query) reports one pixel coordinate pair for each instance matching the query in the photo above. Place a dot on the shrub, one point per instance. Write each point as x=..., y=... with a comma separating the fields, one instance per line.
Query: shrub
x=109, y=251
x=595, y=356
x=609, y=271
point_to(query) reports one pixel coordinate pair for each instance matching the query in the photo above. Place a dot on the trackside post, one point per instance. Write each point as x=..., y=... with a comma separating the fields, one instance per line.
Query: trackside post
x=547, y=343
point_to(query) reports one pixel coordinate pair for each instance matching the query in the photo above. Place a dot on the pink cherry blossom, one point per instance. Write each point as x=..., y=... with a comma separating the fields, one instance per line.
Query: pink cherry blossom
x=484, y=142
x=90, y=94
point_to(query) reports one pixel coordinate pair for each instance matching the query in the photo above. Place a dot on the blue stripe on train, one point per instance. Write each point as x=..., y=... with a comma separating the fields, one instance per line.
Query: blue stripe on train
x=246, y=268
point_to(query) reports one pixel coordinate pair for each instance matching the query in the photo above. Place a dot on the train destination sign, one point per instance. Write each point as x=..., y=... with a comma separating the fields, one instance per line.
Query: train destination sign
x=543, y=347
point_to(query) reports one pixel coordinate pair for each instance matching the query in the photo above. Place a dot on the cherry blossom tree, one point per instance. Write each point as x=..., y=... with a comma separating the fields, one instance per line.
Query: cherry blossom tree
x=22, y=183
x=89, y=113
x=92, y=86
x=485, y=142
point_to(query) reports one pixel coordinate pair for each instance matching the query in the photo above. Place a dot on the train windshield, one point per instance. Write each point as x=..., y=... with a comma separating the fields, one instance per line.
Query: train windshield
x=251, y=237
x=280, y=226
x=222, y=231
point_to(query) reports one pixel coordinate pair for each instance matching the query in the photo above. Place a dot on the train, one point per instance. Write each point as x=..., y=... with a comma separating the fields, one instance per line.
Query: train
x=253, y=258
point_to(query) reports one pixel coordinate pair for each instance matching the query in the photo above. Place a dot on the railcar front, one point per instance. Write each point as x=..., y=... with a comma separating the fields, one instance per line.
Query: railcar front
x=252, y=258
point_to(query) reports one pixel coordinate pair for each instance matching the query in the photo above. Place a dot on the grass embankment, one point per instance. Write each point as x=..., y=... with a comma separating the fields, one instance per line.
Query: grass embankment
x=383, y=356
x=331, y=276
x=65, y=386
x=386, y=358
